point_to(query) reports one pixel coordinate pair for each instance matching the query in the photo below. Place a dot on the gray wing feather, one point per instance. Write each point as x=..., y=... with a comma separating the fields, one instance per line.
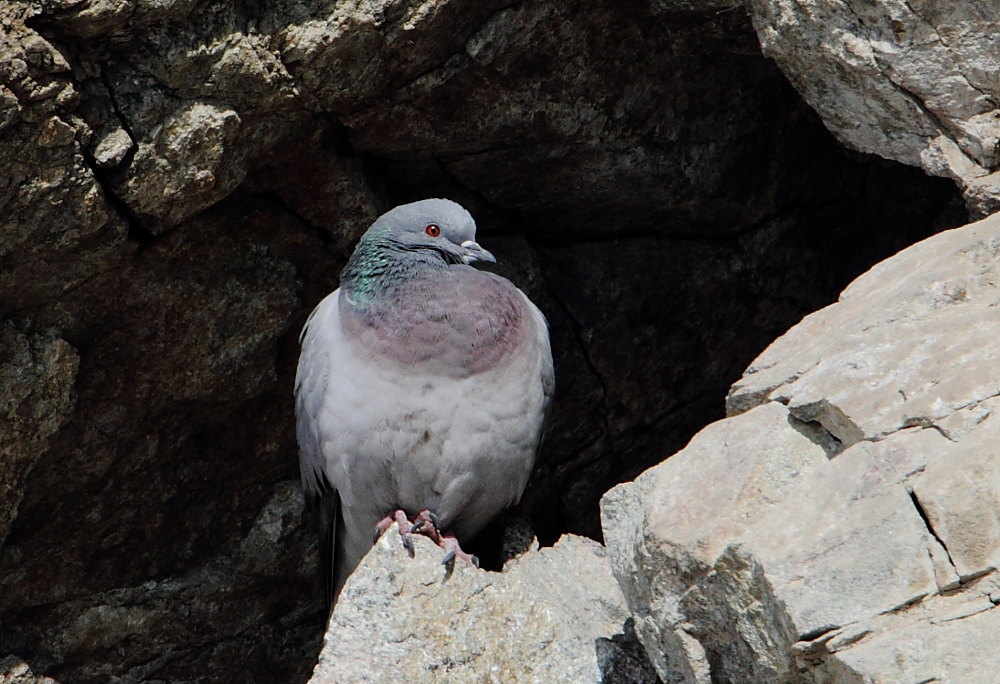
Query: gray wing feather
x=546, y=367
x=310, y=390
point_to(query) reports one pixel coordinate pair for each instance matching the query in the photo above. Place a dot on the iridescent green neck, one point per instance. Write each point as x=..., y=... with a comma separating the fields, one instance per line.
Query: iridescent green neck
x=380, y=266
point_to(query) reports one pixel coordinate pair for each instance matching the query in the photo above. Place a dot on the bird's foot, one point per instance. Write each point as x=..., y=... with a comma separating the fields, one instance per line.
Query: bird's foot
x=405, y=529
x=427, y=524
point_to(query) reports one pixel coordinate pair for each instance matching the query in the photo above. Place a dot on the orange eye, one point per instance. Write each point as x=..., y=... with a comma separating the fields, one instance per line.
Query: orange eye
x=433, y=230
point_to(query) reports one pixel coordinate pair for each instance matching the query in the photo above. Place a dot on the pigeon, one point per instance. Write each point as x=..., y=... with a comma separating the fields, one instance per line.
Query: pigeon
x=421, y=390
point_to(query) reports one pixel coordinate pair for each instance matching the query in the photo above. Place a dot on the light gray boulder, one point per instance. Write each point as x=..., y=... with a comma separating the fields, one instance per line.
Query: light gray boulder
x=842, y=525
x=910, y=81
x=540, y=620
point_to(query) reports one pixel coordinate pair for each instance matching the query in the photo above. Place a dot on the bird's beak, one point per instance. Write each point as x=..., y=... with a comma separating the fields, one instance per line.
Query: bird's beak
x=471, y=251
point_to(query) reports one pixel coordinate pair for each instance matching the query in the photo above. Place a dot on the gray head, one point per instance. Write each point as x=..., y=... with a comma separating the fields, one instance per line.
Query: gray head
x=431, y=226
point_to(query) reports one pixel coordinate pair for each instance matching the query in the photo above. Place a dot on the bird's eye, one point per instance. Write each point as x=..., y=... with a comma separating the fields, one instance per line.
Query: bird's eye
x=433, y=230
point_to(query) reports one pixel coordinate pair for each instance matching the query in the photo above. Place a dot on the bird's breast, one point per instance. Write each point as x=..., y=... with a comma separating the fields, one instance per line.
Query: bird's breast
x=456, y=328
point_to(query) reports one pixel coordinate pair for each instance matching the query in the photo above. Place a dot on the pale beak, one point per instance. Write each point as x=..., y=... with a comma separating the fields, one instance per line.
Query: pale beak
x=471, y=251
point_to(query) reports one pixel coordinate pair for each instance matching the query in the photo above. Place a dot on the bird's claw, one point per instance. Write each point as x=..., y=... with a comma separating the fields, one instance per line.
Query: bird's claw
x=449, y=565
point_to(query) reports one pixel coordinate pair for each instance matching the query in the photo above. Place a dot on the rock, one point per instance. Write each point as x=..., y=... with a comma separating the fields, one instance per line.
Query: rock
x=901, y=330
x=36, y=399
x=671, y=540
x=959, y=494
x=13, y=670
x=535, y=621
x=533, y=81
x=623, y=660
x=935, y=641
x=374, y=43
x=177, y=345
x=58, y=230
x=874, y=557
x=185, y=167
x=257, y=574
x=907, y=81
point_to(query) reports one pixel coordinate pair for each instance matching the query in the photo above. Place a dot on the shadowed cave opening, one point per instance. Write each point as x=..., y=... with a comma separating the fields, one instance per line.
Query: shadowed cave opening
x=654, y=314
x=651, y=327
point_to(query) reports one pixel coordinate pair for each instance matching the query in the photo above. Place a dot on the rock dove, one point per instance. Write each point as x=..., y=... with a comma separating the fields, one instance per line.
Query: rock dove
x=421, y=389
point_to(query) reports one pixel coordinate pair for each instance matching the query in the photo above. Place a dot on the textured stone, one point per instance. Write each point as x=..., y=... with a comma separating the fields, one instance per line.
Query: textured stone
x=945, y=638
x=57, y=230
x=871, y=566
x=174, y=448
x=902, y=331
x=185, y=167
x=36, y=399
x=538, y=620
x=13, y=670
x=906, y=80
x=537, y=83
x=765, y=595
x=226, y=596
x=374, y=43
x=848, y=542
x=670, y=538
x=959, y=492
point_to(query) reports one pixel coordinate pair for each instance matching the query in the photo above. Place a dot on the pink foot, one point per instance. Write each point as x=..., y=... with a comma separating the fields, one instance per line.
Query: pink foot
x=427, y=524
x=405, y=529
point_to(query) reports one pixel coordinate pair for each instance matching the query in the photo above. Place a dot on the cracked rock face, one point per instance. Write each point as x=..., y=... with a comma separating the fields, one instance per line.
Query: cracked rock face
x=180, y=183
x=842, y=525
x=912, y=81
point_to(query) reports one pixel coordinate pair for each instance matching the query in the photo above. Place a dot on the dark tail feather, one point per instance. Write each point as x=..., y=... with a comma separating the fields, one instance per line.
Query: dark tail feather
x=327, y=514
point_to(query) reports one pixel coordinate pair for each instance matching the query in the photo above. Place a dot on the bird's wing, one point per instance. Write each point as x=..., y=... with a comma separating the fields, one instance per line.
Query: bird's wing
x=311, y=384
x=541, y=341
x=543, y=351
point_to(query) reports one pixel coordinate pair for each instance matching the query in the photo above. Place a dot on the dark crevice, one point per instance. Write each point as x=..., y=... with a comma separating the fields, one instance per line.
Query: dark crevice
x=905, y=605
x=930, y=527
x=941, y=431
x=623, y=659
x=47, y=27
x=818, y=435
x=814, y=634
x=137, y=230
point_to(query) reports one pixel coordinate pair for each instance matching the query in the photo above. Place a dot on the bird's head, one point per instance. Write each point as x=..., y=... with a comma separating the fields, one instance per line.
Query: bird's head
x=432, y=225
